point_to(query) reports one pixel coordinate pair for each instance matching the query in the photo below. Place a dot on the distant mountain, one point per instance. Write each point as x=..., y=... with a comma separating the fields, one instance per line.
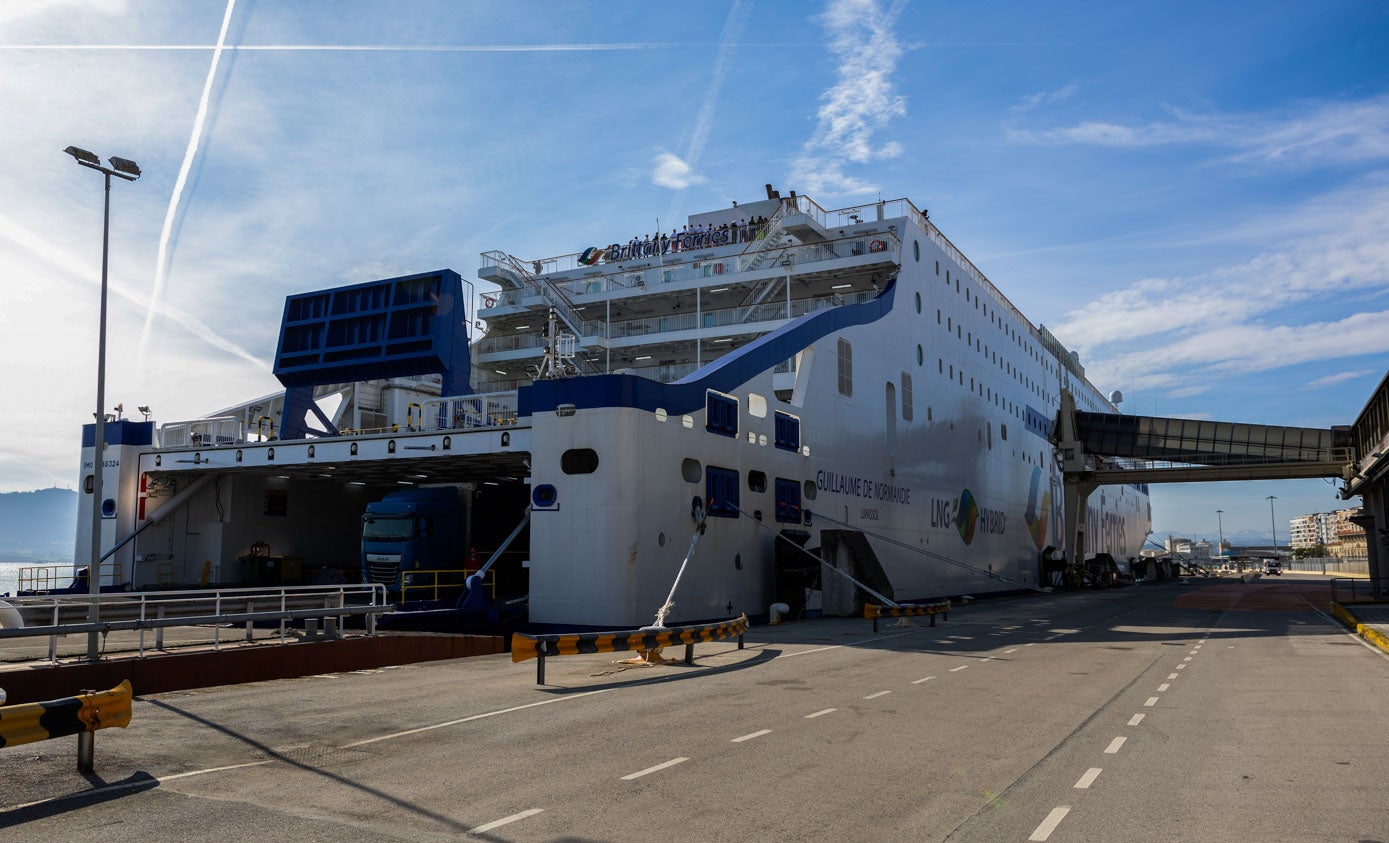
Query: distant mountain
x=38, y=526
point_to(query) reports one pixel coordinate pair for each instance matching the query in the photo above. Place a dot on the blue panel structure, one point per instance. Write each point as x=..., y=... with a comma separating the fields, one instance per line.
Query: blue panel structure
x=411, y=325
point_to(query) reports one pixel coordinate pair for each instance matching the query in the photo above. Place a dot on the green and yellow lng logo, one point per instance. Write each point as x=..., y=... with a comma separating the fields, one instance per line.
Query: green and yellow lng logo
x=966, y=516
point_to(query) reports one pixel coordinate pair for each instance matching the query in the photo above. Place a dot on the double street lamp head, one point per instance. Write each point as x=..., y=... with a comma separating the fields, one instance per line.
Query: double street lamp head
x=120, y=167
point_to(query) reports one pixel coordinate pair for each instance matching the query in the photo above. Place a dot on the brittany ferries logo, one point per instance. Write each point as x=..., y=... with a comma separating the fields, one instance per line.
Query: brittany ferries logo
x=966, y=516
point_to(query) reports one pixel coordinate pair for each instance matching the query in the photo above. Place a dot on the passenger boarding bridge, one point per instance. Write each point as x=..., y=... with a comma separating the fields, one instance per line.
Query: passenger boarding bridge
x=1099, y=449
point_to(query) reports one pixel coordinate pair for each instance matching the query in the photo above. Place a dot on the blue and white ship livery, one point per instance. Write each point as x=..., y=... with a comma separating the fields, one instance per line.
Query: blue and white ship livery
x=797, y=380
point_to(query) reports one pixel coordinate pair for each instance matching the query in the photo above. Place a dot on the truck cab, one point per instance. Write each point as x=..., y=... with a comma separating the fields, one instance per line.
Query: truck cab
x=411, y=543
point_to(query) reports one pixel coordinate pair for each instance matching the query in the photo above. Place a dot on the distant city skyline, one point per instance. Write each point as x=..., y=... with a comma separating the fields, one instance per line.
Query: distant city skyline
x=1194, y=197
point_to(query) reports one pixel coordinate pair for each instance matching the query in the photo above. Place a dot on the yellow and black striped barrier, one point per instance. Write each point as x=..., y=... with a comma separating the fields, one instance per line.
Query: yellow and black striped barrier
x=525, y=646
x=874, y=611
x=80, y=715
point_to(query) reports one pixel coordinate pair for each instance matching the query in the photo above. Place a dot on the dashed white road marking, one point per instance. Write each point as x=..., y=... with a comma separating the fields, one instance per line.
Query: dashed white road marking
x=1089, y=778
x=1135, y=720
x=1043, y=831
x=759, y=733
x=1029, y=644
x=875, y=696
x=1171, y=676
x=922, y=679
x=1152, y=701
x=1164, y=686
x=821, y=712
x=1114, y=745
x=956, y=669
x=986, y=659
x=475, y=717
x=649, y=770
x=1187, y=659
x=506, y=820
x=1014, y=650
x=1181, y=667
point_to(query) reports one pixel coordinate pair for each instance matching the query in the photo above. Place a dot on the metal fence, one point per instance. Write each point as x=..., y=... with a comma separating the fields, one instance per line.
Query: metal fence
x=1360, y=590
x=58, y=615
x=1329, y=565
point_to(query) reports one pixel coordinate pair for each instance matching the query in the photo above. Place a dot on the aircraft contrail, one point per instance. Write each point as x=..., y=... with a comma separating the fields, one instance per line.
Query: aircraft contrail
x=161, y=268
x=370, y=48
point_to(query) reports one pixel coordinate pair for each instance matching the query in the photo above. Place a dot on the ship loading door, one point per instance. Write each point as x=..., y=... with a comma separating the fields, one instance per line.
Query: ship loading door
x=794, y=572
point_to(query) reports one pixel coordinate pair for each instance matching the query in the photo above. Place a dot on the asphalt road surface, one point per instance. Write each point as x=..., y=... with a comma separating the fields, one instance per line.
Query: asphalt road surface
x=1209, y=711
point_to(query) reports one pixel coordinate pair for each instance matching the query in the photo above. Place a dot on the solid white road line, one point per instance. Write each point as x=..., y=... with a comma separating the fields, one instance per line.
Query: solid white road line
x=649, y=770
x=875, y=696
x=1114, y=745
x=1164, y=686
x=1135, y=720
x=759, y=733
x=1089, y=778
x=113, y=788
x=821, y=712
x=566, y=698
x=923, y=679
x=1049, y=824
x=1152, y=701
x=506, y=820
x=961, y=667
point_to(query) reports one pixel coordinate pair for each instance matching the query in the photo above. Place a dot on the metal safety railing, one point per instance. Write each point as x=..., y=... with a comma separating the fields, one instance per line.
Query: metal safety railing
x=57, y=615
x=51, y=577
x=1360, y=590
x=428, y=584
x=492, y=409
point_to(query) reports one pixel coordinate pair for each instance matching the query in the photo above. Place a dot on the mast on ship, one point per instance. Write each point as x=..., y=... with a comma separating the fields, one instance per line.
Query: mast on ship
x=560, y=348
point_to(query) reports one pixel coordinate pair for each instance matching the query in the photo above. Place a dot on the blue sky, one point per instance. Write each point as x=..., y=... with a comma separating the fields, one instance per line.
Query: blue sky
x=1194, y=195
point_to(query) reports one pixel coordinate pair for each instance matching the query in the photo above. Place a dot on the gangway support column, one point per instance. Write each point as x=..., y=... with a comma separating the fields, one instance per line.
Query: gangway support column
x=1076, y=488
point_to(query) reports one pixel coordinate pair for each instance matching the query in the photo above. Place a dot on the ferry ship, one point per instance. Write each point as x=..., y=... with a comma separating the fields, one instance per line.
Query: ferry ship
x=724, y=416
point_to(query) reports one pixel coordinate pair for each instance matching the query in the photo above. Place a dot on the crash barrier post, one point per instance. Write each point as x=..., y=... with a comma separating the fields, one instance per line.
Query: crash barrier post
x=525, y=646
x=80, y=715
x=874, y=611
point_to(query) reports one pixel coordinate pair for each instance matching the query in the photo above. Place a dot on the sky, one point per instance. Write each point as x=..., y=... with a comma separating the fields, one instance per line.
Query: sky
x=1193, y=195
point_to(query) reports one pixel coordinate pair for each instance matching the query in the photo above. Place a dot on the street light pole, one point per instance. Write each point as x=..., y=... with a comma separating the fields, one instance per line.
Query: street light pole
x=1273, y=525
x=130, y=171
x=1220, y=522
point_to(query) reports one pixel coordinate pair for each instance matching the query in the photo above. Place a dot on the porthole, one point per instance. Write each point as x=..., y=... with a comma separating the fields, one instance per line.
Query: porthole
x=916, y=250
x=809, y=490
x=757, y=481
x=918, y=302
x=920, y=356
x=691, y=471
x=661, y=539
x=660, y=414
x=579, y=461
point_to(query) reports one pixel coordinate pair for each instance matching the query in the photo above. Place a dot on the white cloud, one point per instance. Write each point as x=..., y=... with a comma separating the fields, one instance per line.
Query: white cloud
x=671, y=171
x=1045, y=98
x=1340, y=377
x=1166, y=333
x=1312, y=133
x=862, y=101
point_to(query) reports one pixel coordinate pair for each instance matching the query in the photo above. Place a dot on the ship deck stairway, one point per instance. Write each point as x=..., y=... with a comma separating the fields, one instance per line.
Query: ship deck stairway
x=1100, y=449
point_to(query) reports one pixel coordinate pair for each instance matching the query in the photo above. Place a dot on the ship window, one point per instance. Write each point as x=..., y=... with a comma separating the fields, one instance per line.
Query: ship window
x=906, y=397
x=938, y=316
x=916, y=249
x=940, y=364
x=690, y=470
x=952, y=371
x=957, y=285
x=757, y=481
x=947, y=276
x=788, y=501
x=579, y=461
x=929, y=412
x=846, y=368
x=949, y=324
x=721, y=414
x=757, y=406
x=788, y=431
x=721, y=492
x=918, y=302
x=1003, y=432
x=920, y=355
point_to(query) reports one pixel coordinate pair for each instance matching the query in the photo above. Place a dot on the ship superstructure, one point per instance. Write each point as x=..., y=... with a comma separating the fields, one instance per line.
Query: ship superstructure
x=792, y=382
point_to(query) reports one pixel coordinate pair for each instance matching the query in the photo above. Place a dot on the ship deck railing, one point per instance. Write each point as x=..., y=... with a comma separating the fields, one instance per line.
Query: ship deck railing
x=680, y=267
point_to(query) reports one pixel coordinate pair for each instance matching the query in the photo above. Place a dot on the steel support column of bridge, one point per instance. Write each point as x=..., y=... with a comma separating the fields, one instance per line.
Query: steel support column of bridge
x=1076, y=487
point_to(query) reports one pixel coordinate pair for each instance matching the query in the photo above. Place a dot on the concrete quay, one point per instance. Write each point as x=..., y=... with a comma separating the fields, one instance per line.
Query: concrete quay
x=1212, y=710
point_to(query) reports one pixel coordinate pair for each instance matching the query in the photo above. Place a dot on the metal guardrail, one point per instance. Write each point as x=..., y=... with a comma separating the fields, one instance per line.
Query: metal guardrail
x=1360, y=590
x=525, y=646
x=874, y=611
x=80, y=715
x=56, y=615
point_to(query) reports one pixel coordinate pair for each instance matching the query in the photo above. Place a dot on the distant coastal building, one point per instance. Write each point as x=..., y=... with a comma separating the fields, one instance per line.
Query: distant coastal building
x=1333, y=532
x=1350, y=541
x=1309, y=531
x=1178, y=545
